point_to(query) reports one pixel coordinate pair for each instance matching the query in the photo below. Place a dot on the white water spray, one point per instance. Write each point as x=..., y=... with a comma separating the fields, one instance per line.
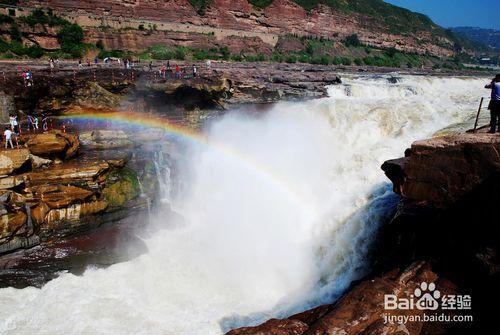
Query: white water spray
x=247, y=251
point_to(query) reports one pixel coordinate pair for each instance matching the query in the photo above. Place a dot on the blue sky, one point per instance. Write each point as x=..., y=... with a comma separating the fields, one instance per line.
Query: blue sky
x=454, y=13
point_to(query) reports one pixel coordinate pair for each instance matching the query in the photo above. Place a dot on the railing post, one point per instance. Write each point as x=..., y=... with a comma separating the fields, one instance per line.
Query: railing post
x=478, y=112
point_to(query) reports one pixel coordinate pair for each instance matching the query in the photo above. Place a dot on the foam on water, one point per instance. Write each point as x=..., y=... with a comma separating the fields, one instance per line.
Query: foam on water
x=246, y=253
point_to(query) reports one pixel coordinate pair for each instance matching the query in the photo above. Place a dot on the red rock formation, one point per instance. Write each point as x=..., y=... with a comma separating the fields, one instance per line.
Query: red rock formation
x=441, y=170
x=361, y=310
x=234, y=17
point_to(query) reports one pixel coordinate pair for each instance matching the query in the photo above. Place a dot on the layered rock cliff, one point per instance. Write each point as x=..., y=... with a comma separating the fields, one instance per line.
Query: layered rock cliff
x=233, y=23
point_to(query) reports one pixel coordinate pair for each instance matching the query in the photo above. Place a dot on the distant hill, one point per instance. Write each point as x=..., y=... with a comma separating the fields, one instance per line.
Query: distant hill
x=489, y=37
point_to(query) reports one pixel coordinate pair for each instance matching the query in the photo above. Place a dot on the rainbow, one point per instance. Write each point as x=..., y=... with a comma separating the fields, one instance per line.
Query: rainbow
x=250, y=164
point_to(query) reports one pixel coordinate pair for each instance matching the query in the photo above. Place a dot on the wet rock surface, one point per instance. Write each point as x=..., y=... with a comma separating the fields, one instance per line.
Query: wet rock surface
x=100, y=247
x=361, y=310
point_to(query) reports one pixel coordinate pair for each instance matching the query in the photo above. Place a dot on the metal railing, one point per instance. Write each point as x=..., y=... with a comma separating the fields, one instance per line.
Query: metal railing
x=477, y=115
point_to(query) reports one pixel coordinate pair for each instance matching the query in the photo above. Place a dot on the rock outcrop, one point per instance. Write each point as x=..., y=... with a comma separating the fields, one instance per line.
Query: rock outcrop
x=441, y=170
x=450, y=188
x=40, y=200
x=361, y=311
x=53, y=144
x=13, y=160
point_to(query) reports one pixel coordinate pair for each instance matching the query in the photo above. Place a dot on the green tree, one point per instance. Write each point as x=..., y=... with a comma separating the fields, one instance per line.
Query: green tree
x=352, y=41
x=70, y=38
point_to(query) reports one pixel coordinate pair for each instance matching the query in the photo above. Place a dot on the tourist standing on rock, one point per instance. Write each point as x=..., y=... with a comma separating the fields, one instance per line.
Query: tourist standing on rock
x=24, y=75
x=8, y=137
x=29, y=119
x=494, y=105
x=29, y=77
x=35, y=123
x=163, y=72
x=177, y=72
x=14, y=125
x=44, y=123
x=194, y=71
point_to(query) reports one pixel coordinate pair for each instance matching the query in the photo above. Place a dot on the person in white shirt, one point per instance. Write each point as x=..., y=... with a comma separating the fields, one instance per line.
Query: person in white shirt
x=8, y=137
x=14, y=125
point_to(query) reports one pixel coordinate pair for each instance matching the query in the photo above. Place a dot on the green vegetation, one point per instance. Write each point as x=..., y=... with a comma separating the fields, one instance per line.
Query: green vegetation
x=123, y=186
x=352, y=41
x=70, y=36
x=200, y=5
x=9, y=2
x=38, y=16
x=260, y=3
x=6, y=19
x=114, y=53
x=161, y=52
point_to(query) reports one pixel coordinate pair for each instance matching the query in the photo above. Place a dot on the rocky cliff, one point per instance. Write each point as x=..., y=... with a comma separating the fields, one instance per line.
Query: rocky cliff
x=441, y=170
x=380, y=24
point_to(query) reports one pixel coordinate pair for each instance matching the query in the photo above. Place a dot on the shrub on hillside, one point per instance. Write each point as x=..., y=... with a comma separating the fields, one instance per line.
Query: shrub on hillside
x=70, y=38
x=352, y=41
x=260, y=3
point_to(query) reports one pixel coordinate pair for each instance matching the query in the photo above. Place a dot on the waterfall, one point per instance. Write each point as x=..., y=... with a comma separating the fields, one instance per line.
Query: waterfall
x=163, y=176
x=141, y=188
x=279, y=208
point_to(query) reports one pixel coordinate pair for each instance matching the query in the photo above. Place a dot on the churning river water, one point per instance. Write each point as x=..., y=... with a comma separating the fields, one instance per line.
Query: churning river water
x=279, y=214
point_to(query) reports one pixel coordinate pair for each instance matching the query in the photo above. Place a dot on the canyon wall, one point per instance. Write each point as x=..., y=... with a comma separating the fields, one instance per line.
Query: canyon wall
x=224, y=18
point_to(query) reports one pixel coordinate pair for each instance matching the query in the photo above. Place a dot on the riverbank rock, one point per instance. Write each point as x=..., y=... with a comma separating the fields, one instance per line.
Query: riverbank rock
x=90, y=175
x=11, y=160
x=9, y=182
x=10, y=223
x=39, y=162
x=72, y=214
x=53, y=144
x=95, y=96
x=441, y=170
x=105, y=139
x=58, y=196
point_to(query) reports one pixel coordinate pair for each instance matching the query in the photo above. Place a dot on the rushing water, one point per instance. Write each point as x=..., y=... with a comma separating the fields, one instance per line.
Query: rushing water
x=279, y=213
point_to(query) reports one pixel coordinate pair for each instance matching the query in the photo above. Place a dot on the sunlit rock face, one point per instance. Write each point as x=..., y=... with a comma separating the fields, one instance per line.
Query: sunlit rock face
x=13, y=160
x=236, y=24
x=443, y=169
x=53, y=144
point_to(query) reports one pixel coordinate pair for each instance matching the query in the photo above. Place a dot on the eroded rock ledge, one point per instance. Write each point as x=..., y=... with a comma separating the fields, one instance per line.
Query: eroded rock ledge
x=360, y=311
x=49, y=190
x=441, y=170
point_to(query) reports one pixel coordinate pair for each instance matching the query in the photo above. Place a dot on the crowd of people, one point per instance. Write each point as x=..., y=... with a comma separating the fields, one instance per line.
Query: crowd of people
x=167, y=71
x=13, y=131
x=27, y=78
